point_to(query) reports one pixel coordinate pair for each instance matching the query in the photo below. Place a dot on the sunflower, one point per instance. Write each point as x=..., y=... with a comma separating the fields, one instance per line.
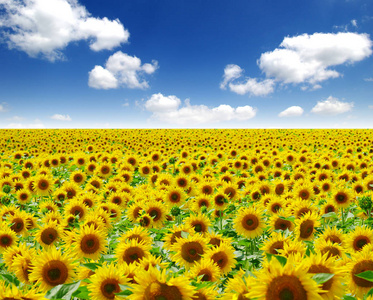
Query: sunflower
x=137, y=233
x=200, y=223
x=132, y=251
x=205, y=187
x=189, y=250
x=155, y=284
x=342, y=197
x=175, y=196
x=79, y=177
x=237, y=287
x=76, y=208
x=223, y=256
x=299, y=208
x=175, y=233
x=157, y=211
x=89, y=242
x=278, y=222
x=293, y=248
x=106, y=282
x=329, y=248
x=49, y=234
x=275, y=243
x=303, y=191
x=207, y=269
x=118, y=198
x=42, y=185
x=305, y=226
x=95, y=221
x=22, y=265
x=18, y=222
x=71, y=189
x=358, y=239
x=333, y=234
x=277, y=282
x=182, y=181
x=23, y=196
x=274, y=205
x=201, y=201
x=104, y=170
x=333, y=288
x=328, y=207
x=8, y=238
x=360, y=262
x=249, y=222
x=51, y=268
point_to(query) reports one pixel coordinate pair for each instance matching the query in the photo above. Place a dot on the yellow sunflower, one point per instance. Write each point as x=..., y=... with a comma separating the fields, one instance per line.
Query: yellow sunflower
x=155, y=284
x=43, y=185
x=306, y=226
x=360, y=262
x=237, y=287
x=358, y=239
x=207, y=269
x=200, y=223
x=8, y=238
x=132, y=251
x=157, y=211
x=89, y=242
x=284, y=282
x=331, y=249
x=275, y=243
x=223, y=256
x=249, y=222
x=137, y=233
x=51, y=268
x=189, y=250
x=174, y=233
x=333, y=234
x=342, y=197
x=22, y=265
x=175, y=196
x=106, y=282
x=48, y=234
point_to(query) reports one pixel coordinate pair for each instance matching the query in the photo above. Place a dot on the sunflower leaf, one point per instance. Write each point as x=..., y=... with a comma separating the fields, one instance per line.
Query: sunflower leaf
x=330, y=215
x=92, y=266
x=349, y=298
x=321, y=278
x=82, y=293
x=283, y=260
x=370, y=293
x=367, y=275
x=63, y=291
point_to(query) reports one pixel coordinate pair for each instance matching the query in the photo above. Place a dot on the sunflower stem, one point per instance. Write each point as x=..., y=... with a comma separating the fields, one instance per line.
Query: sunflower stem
x=343, y=218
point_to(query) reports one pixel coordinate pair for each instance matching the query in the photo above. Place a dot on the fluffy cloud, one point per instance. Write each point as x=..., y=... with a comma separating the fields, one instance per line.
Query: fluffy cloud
x=332, y=106
x=4, y=107
x=45, y=27
x=303, y=59
x=121, y=69
x=292, y=111
x=167, y=109
x=36, y=124
x=307, y=58
x=59, y=117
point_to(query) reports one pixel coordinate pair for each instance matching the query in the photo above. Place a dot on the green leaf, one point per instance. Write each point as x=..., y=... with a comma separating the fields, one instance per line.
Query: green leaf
x=321, y=278
x=82, y=293
x=283, y=260
x=349, y=298
x=367, y=275
x=330, y=215
x=370, y=293
x=92, y=266
x=63, y=291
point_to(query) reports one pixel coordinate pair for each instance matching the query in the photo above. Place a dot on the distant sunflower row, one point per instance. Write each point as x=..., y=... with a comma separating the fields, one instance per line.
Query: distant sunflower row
x=186, y=214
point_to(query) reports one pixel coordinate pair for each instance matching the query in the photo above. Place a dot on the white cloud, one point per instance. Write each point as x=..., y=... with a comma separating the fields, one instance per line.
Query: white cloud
x=167, y=109
x=292, y=111
x=37, y=124
x=231, y=72
x=46, y=27
x=307, y=58
x=16, y=118
x=354, y=23
x=332, y=106
x=121, y=69
x=59, y=117
x=368, y=79
x=370, y=106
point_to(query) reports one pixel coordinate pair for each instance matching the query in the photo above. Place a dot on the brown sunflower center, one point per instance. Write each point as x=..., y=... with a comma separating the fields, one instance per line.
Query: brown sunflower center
x=282, y=224
x=250, y=222
x=18, y=225
x=105, y=170
x=279, y=189
x=286, y=287
x=162, y=291
x=278, y=245
x=109, y=287
x=331, y=251
x=43, y=184
x=49, y=235
x=155, y=213
x=175, y=197
x=55, y=272
x=219, y=200
x=5, y=240
x=207, y=276
x=199, y=226
x=306, y=229
x=77, y=211
x=133, y=254
x=365, y=265
x=360, y=242
x=191, y=251
x=220, y=258
x=322, y=269
x=333, y=238
x=304, y=194
x=341, y=198
x=231, y=192
x=89, y=244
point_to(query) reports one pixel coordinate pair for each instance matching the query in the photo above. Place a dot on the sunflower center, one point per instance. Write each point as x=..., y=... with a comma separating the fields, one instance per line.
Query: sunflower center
x=109, y=287
x=221, y=259
x=55, y=272
x=333, y=238
x=5, y=240
x=282, y=224
x=219, y=200
x=18, y=225
x=105, y=170
x=174, y=197
x=341, y=198
x=43, y=184
x=279, y=189
x=207, y=276
x=250, y=222
x=360, y=242
x=89, y=244
x=48, y=236
x=332, y=251
x=133, y=254
x=365, y=265
x=182, y=182
x=322, y=269
x=279, y=245
x=286, y=287
x=306, y=229
x=24, y=196
x=162, y=291
x=304, y=195
x=191, y=251
x=155, y=214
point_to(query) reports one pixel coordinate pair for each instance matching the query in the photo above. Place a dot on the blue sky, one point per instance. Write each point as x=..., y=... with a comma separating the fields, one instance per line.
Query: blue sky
x=186, y=64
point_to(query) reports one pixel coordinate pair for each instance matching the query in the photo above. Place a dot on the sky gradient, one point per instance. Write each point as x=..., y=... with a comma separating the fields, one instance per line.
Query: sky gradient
x=186, y=64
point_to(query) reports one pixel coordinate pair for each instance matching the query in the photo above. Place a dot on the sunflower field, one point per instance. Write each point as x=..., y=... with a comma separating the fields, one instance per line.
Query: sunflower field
x=186, y=214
